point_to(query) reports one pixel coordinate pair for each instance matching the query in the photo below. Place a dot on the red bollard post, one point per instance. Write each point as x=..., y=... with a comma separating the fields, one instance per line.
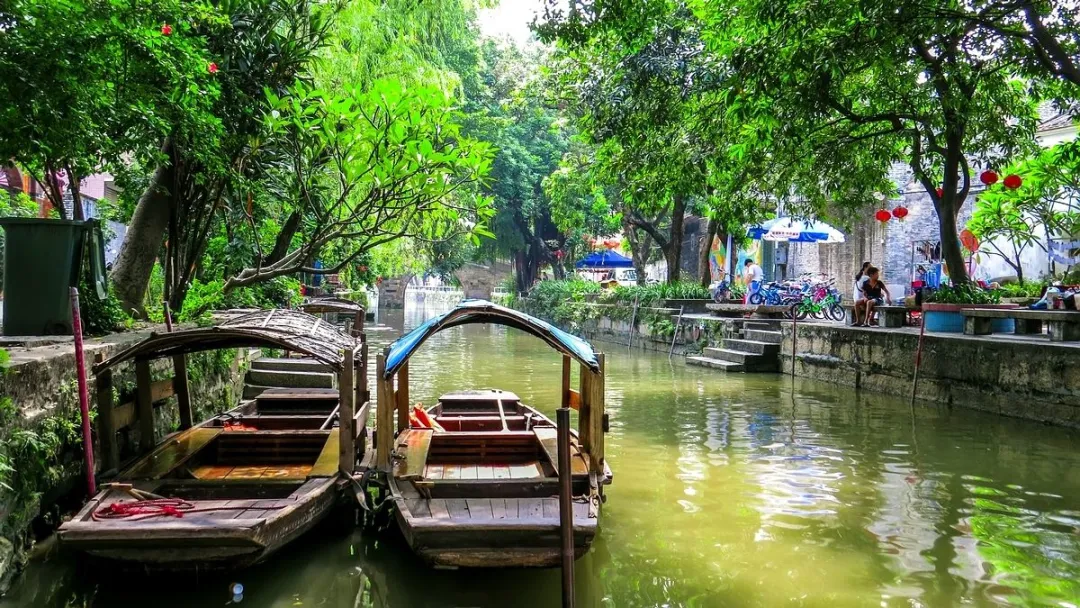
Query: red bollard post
x=84, y=393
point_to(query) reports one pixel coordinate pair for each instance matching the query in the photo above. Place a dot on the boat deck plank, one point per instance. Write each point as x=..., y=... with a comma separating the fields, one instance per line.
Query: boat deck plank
x=327, y=463
x=172, y=454
x=458, y=507
x=480, y=508
x=484, y=509
x=548, y=438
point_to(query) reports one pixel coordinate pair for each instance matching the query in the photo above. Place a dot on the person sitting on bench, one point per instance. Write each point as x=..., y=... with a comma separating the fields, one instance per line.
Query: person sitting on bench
x=874, y=294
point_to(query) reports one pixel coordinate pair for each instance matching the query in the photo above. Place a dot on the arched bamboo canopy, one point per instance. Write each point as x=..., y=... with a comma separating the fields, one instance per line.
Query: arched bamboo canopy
x=290, y=330
x=341, y=305
x=482, y=311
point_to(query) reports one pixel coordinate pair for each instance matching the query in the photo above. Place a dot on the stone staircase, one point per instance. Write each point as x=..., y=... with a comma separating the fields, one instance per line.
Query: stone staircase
x=269, y=372
x=758, y=350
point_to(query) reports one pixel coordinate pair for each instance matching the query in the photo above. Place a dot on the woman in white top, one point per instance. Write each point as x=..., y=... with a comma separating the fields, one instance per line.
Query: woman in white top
x=860, y=277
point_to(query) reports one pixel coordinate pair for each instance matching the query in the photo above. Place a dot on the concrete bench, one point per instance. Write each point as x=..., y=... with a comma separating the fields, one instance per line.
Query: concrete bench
x=888, y=315
x=1064, y=325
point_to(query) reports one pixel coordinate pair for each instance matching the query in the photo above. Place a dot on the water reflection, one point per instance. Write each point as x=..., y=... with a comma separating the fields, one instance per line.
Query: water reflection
x=729, y=491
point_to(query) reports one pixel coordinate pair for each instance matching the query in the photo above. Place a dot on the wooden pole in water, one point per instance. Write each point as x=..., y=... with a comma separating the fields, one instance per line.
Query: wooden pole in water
x=675, y=334
x=566, y=506
x=633, y=319
x=918, y=357
x=84, y=393
x=794, y=338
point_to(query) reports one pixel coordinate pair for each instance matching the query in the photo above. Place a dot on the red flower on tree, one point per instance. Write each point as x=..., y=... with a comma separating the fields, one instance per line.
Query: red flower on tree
x=988, y=178
x=212, y=68
x=1013, y=182
x=166, y=30
x=940, y=192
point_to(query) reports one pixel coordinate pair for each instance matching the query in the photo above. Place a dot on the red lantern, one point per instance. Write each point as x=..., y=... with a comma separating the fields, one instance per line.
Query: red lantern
x=883, y=215
x=900, y=212
x=1013, y=182
x=988, y=178
x=212, y=68
x=166, y=30
x=940, y=192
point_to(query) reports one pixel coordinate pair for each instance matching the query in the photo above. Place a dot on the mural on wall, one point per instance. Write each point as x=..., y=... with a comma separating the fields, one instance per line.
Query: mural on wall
x=718, y=259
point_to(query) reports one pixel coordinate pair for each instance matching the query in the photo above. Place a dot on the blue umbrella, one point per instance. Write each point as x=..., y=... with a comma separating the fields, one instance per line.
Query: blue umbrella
x=796, y=231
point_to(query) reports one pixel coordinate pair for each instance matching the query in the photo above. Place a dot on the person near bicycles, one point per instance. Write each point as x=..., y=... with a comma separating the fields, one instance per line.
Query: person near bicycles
x=874, y=294
x=753, y=275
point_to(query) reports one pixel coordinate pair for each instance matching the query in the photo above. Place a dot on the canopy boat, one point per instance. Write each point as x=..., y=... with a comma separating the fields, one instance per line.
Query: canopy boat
x=479, y=486
x=234, y=489
x=340, y=307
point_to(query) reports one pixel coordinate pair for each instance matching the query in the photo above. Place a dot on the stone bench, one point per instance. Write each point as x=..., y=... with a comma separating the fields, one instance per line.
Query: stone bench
x=888, y=315
x=1064, y=325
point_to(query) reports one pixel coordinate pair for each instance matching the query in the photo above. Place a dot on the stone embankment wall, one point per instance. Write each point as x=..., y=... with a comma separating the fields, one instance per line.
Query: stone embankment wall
x=41, y=464
x=1024, y=379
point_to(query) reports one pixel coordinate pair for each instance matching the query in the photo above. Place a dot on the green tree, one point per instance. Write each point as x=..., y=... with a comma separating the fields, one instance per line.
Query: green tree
x=91, y=85
x=369, y=168
x=508, y=110
x=863, y=85
x=1044, y=207
x=203, y=187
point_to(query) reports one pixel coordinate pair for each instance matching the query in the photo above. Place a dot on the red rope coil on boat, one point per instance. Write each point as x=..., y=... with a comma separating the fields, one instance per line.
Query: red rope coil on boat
x=144, y=509
x=162, y=507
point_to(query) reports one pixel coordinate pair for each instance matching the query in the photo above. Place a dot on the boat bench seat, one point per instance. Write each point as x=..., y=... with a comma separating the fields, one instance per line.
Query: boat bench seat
x=515, y=422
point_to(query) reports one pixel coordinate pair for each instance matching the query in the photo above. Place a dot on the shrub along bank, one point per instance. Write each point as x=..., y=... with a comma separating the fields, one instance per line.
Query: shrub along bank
x=575, y=304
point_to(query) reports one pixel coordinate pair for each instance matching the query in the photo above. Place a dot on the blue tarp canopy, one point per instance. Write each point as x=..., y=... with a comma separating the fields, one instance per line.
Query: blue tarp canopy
x=605, y=259
x=796, y=231
x=482, y=311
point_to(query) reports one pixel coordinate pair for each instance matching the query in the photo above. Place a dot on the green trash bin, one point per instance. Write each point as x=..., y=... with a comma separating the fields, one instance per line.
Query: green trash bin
x=42, y=261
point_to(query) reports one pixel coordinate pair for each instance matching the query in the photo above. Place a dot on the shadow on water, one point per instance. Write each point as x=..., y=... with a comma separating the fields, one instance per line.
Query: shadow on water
x=740, y=490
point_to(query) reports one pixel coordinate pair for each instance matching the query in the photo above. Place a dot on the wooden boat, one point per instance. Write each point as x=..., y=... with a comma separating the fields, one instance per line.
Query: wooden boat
x=481, y=488
x=236, y=488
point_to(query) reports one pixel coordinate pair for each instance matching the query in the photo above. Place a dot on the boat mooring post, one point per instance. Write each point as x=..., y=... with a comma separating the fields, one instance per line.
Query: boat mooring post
x=84, y=393
x=918, y=358
x=566, y=506
x=633, y=319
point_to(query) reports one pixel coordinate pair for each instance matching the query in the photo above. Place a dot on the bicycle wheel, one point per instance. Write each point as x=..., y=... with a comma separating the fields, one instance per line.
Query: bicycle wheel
x=837, y=312
x=756, y=299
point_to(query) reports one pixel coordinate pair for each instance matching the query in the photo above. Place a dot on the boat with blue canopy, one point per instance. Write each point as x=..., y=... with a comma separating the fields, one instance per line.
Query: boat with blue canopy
x=474, y=479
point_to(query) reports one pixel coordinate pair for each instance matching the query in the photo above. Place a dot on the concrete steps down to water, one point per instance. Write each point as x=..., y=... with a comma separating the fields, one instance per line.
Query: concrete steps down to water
x=758, y=350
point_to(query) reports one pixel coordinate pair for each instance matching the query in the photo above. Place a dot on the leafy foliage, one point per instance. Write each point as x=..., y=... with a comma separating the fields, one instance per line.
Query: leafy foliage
x=89, y=85
x=964, y=293
x=1045, y=206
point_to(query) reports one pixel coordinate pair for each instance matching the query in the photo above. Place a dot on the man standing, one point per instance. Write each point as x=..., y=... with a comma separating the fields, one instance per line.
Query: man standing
x=753, y=276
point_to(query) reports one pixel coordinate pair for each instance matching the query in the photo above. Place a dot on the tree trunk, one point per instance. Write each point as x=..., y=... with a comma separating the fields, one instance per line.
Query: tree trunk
x=704, y=249
x=135, y=263
x=950, y=242
x=639, y=248
x=284, y=239
x=673, y=251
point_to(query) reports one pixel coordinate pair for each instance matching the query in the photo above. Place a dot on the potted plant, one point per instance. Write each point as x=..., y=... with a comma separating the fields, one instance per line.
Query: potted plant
x=941, y=310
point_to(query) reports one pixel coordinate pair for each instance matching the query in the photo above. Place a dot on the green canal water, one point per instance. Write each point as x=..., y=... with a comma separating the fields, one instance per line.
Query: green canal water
x=730, y=490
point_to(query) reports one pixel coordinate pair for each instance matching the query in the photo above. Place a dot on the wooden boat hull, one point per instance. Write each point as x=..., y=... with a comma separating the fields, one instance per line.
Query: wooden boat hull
x=491, y=533
x=236, y=533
